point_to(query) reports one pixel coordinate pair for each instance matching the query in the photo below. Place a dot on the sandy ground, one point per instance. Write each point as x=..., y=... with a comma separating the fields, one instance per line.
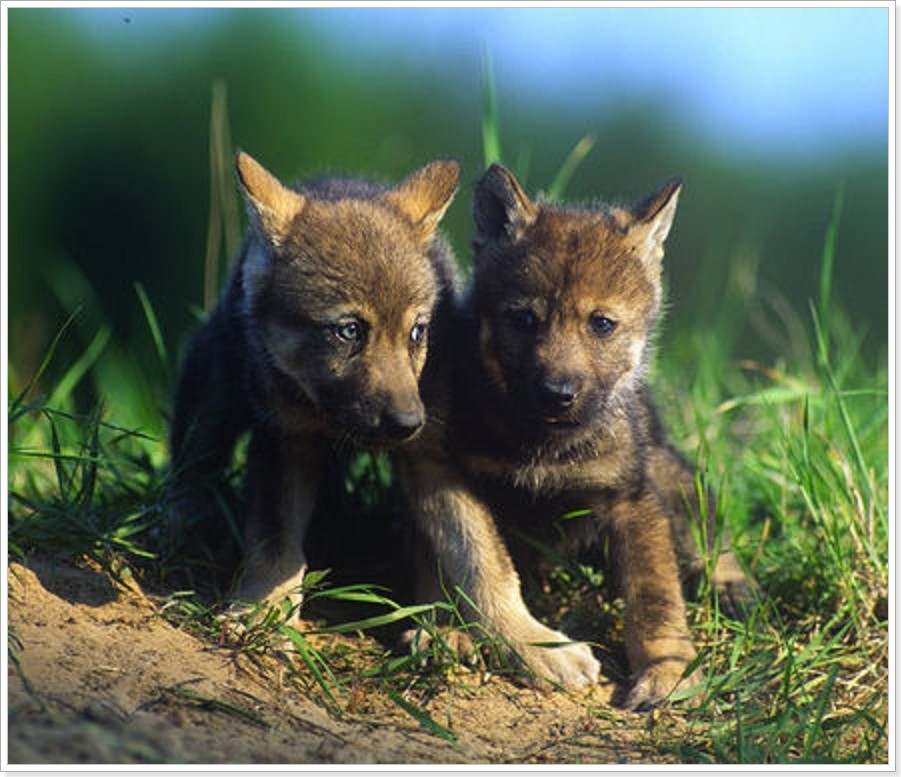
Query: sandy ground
x=101, y=677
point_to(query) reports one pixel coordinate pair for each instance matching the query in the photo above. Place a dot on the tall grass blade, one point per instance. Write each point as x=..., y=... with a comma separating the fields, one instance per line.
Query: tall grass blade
x=826, y=269
x=17, y=407
x=561, y=180
x=152, y=322
x=80, y=368
x=89, y=463
x=62, y=474
x=815, y=727
x=838, y=397
x=491, y=144
x=223, y=235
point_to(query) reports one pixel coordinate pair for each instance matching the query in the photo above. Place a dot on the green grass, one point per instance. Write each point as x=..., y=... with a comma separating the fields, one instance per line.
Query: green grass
x=796, y=447
x=799, y=448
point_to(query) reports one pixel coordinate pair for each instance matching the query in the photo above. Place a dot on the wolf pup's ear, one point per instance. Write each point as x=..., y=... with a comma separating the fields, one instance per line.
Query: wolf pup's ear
x=425, y=195
x=274, y=205
x=653, y=218
x=501, y=209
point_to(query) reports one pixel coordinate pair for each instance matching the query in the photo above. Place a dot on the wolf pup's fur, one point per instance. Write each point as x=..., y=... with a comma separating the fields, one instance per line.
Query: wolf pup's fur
x=320, y=337
x=551, y=419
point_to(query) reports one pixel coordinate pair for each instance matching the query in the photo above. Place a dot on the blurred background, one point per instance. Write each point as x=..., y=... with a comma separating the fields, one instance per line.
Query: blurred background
x=767, y=113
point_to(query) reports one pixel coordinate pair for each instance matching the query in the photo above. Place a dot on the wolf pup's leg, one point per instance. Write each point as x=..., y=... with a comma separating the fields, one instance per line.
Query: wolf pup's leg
x=658, y=643
x=210, y=412
x=472, y=555
x=282, y=479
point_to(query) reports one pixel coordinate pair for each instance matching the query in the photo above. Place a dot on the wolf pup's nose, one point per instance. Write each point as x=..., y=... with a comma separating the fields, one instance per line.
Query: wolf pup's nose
x=557, y=395
x=402, y=424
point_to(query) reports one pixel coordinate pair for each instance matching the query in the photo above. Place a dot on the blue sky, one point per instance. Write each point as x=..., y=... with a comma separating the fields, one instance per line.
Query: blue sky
x=755, y=75
x=807, y=78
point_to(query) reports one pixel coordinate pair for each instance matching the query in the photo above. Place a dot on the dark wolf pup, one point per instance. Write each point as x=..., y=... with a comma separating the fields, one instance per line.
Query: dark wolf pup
x=320, y=337
x=551, y=416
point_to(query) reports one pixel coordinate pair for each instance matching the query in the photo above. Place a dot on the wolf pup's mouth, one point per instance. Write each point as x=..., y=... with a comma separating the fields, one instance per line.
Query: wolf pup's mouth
x=383, y=439
x=561, y=422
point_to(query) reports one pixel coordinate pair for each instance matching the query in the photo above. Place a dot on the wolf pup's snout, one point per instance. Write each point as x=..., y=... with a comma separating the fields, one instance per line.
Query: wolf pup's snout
x=558, y=394
x=402, y=424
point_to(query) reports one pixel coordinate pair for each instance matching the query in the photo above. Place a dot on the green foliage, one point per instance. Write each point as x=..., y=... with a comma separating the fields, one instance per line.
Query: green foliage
x=93, y=490
x=800, y=450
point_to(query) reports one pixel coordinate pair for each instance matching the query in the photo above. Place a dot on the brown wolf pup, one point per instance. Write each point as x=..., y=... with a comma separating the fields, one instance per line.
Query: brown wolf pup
x=550, y=418
x=320, y=337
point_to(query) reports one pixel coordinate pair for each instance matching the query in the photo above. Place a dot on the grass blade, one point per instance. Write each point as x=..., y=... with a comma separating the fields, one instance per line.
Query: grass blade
x=401, y=613
x=80, y=368
x=223, y=223
x=311, y=657
x=815, y=729
x=558, y=186
x=826, y=269
x=422, y=717
x=152, y=322
x=491, y=144
x=217, y=705
x=16, y=409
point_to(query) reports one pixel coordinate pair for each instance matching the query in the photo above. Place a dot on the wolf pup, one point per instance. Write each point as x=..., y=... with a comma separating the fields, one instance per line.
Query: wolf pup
x=552, y=422
x=320, y=337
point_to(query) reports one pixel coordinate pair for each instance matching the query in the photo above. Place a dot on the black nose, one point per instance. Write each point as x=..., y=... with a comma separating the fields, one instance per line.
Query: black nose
x=558, y=393
x=401, y=424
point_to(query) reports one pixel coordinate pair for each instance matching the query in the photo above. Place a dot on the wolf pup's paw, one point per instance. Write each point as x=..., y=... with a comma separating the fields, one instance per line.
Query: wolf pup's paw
x=554, y=658
x=276, y=588
x=657, y=683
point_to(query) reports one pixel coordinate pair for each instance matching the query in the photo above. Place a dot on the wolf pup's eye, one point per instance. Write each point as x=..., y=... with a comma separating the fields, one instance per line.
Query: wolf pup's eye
x=601, y=325
x=348, y=331
x=417, y=333
x=523, y=319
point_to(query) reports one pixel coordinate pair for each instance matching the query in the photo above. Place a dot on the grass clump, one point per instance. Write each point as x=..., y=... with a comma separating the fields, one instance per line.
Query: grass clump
x=800, y=448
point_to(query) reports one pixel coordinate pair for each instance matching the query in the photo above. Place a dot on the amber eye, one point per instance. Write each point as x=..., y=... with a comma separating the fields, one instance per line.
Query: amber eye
x=417, y=333
x=601, y=325
x=348, y=331
x=522, y=319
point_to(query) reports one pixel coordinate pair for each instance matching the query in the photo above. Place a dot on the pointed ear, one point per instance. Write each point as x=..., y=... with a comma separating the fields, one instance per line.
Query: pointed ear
x=653, y=218
x=425, y=195
x=501, y=208
x=275, y=206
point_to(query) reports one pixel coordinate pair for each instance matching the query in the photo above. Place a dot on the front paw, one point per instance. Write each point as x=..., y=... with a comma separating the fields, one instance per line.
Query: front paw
x=554, y=658
x=284, y=590
x=656, y=683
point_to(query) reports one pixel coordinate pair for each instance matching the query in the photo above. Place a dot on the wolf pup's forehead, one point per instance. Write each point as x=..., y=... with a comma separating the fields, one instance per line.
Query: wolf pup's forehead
x=532, y=249
x=347, y=238
x=508, y=225
x=359, y=250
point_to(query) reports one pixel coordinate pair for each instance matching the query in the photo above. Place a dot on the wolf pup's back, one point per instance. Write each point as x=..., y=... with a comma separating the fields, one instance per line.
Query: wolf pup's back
x=321, y=335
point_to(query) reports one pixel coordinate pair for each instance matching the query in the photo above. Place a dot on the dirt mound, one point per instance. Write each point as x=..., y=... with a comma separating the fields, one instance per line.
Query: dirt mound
x=98, y=676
